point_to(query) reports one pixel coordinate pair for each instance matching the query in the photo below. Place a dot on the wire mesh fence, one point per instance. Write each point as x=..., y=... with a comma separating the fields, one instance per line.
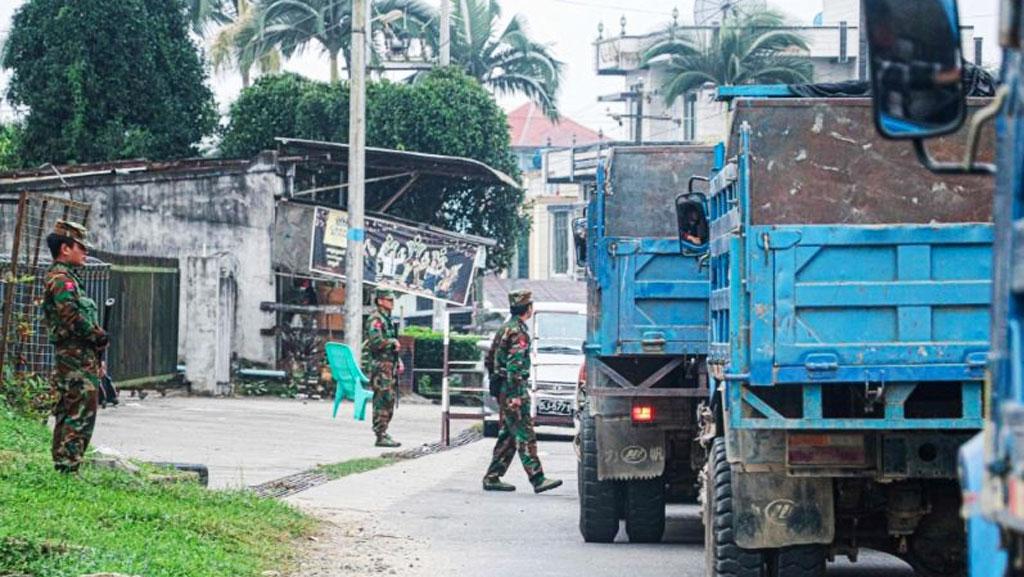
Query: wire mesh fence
x=24, y=344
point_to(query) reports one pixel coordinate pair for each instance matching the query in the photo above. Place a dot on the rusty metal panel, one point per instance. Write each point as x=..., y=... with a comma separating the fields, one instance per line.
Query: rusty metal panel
x=820, y=161
x=643, y=184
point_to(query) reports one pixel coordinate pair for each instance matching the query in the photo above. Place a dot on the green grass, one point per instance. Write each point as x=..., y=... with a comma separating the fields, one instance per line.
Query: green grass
x=53, y=525
x=354, y=466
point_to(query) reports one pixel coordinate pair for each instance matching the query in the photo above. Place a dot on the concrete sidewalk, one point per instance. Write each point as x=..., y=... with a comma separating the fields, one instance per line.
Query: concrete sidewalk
x=247, y=441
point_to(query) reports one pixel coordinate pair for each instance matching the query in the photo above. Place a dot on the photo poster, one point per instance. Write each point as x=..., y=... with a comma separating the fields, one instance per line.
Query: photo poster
x=406, y=259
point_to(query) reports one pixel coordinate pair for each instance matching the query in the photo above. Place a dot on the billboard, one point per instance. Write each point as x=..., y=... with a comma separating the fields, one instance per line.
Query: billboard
x=425, y=262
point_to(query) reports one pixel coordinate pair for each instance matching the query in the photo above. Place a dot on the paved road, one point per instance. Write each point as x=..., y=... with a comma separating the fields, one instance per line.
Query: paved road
x=434, y=519
x=248, y=441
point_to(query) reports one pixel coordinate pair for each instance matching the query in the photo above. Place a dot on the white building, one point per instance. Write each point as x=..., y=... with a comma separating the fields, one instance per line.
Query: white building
x=547, y=253
x=834, y=45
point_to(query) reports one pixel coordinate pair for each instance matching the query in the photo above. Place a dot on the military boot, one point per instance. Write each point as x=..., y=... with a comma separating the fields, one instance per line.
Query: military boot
x=387, y=441
x=496, y=484
x=546, y=484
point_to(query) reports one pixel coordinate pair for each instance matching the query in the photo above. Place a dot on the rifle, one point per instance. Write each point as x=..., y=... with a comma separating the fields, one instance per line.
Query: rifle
x=108, y=393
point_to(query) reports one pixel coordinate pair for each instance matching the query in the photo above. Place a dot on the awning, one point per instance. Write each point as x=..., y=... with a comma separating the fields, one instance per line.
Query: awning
x=386, y=160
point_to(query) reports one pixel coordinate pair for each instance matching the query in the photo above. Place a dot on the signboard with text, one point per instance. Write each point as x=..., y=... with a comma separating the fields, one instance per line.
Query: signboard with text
x=427, y=263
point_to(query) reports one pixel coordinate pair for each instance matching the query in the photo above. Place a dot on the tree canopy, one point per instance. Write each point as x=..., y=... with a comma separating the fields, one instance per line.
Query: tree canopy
x=507, y=60
x=752, y=48
x=106, y=79
x=446, y=113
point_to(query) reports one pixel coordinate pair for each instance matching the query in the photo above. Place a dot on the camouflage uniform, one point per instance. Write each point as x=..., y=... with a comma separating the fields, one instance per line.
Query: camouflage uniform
x=380, y=360
x=511, y=350
x=72, y=321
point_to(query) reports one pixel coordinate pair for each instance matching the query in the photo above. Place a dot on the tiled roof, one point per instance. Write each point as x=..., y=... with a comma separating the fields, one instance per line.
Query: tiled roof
x=530, y=128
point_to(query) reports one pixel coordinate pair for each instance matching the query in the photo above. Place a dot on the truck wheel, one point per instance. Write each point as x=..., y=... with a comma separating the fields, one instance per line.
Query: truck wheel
x=724, y=558
x=799, y=561
x=599, y=500
x=645, y=510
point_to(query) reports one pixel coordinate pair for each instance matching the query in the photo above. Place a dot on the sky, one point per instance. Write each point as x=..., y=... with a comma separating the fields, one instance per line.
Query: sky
x=570, y=28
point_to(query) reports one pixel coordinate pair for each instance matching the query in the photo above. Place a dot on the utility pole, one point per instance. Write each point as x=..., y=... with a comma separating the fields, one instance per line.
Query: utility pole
x=356, y=181
x=439, y=307
x=446, y=32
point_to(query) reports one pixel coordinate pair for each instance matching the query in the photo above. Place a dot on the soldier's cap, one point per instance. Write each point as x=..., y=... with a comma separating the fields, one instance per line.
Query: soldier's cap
x=384, y=294
x=74, y=231
x=520, y=297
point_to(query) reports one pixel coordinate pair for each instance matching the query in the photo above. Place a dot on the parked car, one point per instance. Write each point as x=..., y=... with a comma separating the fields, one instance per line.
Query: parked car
x=558, y=330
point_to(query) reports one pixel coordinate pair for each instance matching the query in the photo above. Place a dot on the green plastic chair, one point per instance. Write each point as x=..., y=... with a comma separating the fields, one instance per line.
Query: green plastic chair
x=349, y=379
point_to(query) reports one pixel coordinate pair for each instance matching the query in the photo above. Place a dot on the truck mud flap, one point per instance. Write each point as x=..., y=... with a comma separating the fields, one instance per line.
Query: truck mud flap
x=627, y=451
x=772, y=510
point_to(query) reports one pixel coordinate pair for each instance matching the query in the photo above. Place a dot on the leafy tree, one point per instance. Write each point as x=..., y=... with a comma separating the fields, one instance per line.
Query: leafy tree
x=446, y=113
x=107, y=79
x=10, y=147
x=292, y=25
x=747, y=49
x=507, y=61
x=286, y=105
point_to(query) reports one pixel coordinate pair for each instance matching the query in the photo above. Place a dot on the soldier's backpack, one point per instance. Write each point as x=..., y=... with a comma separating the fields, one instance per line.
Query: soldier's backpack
x=495, y=380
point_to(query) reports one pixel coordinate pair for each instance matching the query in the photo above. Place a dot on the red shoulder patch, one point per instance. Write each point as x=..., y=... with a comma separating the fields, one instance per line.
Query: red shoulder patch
x=69, y=285
x=523, y=340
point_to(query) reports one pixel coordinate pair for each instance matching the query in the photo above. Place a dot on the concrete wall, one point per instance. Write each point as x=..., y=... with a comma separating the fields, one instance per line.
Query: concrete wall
x=188, y=210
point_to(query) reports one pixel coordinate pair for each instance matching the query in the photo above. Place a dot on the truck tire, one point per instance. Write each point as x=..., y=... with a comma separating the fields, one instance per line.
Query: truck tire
x=723, y=557
x=599, y=500
x=645, y=510
x=799, y=561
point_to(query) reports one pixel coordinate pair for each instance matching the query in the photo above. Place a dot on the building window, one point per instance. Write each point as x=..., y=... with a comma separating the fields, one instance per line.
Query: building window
x=560, y=243
x=424, y=304
x=690, y=116
x=522, y=263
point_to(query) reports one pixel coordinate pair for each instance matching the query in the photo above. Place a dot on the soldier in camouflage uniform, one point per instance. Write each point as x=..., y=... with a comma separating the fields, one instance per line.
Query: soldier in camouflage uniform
x=511, y=366
x=382, y=364
x=78, y=340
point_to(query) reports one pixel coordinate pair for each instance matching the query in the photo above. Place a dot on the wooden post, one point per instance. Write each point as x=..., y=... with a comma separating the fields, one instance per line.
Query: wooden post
x=445, y=400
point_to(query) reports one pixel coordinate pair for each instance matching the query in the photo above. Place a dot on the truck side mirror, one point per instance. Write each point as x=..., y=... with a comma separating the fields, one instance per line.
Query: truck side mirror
x=691, y=221
x=916, y=67
x=579, y=238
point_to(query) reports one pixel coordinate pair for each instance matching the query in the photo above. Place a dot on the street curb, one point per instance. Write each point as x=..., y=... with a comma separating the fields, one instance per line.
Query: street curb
x=310, y=478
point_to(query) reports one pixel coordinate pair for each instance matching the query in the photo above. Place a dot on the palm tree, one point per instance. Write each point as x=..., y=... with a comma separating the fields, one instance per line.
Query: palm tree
x=240, y=43
x=294, y=24
x=200, y=13
x=748, y=49
x=509, y=61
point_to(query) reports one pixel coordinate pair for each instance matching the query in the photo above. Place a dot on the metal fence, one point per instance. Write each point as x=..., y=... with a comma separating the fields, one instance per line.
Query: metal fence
x=24, y=346
x=144, y=319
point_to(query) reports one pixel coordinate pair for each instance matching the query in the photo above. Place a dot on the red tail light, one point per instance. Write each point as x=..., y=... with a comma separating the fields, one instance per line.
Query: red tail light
x=643, y=413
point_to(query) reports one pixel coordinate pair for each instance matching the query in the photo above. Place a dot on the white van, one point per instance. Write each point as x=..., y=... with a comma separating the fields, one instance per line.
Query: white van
x=558, y=330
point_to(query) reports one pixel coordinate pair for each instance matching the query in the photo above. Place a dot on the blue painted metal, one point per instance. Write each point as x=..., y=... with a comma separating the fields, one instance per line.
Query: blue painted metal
x=725, y=93
x=645, y=285
x=1001, y=464
x=984, y=555
x=807, y=306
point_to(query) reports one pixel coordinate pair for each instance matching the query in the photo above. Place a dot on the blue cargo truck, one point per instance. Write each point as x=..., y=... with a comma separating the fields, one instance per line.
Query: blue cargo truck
x=914, y=99
x=849, y=304
x=646, y=342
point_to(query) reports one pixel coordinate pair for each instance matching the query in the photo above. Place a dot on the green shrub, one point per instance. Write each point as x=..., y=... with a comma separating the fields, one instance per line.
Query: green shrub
x=430, y=347
x=28, y=395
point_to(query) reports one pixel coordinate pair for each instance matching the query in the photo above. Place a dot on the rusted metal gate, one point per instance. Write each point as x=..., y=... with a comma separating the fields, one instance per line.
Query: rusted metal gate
x=24, y=346
x=144, y=320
